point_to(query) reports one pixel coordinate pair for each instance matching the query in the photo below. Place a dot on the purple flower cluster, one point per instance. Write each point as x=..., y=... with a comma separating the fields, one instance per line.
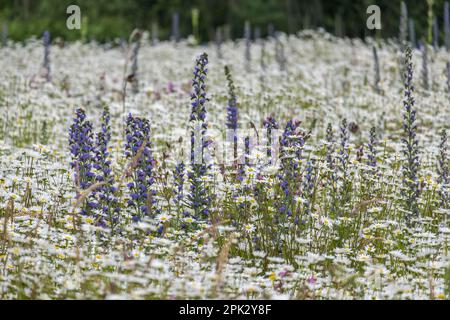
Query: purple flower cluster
x=107, y=200
x=291, y=146
x=232, y=110
x=198, y=96
x=138, y=148
x=246, y=150
x=293, y=138
x=270, y=123
x=198, y=197
x=198, y=104
x=410, y=168
x=82, y=151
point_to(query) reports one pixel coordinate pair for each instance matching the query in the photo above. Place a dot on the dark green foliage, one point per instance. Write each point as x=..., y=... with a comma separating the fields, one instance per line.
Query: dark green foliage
x=110, y=19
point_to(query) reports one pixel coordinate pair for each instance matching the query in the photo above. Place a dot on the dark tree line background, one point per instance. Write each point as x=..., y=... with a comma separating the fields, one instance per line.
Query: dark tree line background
x=111, y=19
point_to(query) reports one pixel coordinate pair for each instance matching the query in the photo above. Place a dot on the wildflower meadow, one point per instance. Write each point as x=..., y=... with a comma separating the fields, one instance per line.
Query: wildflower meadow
x=300, y=166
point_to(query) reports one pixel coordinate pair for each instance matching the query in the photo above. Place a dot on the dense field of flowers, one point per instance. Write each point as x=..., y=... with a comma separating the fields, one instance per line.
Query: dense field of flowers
x=301, y=167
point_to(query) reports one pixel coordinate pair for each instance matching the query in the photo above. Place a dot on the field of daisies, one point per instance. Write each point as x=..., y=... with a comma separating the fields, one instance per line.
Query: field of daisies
x=296, y=167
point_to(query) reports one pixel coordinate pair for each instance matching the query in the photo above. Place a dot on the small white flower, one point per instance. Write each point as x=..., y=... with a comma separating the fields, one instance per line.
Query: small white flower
x=163, y=218
x=326, y=222
x=188, y=220
x=249, y=228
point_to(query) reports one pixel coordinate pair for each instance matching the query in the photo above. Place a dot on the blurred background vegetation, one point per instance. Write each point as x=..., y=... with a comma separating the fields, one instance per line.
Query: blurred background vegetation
x=105, y=20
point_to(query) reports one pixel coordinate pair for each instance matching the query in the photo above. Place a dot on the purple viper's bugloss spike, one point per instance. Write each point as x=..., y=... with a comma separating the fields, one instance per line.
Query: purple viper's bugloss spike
x=138, y=147
x=199, y=195
x=411, y=165
x=82, y=151
x=106, y=194
x=232, y=110
x=291, y=147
